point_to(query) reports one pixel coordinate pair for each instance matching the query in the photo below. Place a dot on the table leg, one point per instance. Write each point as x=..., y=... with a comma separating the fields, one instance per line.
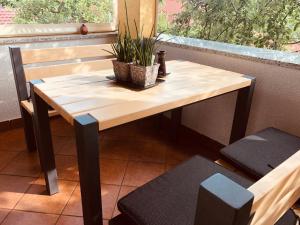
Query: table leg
x=176, y=115
x=242, y=111
x=44, y=140
x=86, y=129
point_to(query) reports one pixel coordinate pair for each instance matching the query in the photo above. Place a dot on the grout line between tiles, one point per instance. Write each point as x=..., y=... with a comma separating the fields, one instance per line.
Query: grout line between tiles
x=16, y=175
x=23, y=195
x=115, y=206
x=67, y=203
x=31, y=211
x=6, y=216
x=69, y=198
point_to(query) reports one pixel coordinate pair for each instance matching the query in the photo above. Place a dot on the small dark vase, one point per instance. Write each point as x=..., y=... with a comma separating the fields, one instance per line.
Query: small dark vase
x=83, y=29
x=161, y=60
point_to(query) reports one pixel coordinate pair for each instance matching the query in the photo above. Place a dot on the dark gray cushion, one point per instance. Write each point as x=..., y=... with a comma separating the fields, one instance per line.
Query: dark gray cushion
x=259, y=153
x=289, y=218
x=121, y=219
x=171, y=198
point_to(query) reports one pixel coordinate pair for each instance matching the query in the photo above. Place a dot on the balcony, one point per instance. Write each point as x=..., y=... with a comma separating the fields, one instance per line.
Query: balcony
x=139, y=147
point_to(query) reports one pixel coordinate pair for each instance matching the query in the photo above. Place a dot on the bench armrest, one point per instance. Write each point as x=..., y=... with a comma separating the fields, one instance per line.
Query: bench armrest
x=222, y=201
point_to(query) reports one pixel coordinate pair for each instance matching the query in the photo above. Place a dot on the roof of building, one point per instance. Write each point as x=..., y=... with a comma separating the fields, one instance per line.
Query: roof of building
x=6, y=16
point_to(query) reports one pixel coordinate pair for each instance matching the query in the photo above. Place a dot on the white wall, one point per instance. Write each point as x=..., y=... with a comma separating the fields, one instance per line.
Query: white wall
x=9, y=108
x=276, y=99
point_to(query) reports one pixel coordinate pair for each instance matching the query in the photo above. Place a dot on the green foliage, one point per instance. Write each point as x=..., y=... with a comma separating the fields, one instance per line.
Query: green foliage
x=162, y=20
x=60, y=11
x=145, y=48
x=261, y=23
x=162, y=24
x=123, y=49
x=6, y=3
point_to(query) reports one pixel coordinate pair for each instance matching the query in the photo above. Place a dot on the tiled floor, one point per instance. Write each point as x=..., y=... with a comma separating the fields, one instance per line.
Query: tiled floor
x=130, y=156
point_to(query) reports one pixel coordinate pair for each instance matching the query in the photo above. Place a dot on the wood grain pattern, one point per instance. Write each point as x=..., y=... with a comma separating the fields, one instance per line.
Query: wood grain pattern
x=33, y=73
x=30, y=56
x=113, y=105
x=276, y=192
x=29, y=108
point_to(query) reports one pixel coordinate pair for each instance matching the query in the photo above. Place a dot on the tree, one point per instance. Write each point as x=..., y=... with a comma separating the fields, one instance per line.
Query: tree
x=60, y=11
x=260, y=23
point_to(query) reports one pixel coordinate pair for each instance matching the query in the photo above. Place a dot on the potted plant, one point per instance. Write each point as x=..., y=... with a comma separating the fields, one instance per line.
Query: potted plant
x=144, y=71
x=123, y=51
x=124, y=54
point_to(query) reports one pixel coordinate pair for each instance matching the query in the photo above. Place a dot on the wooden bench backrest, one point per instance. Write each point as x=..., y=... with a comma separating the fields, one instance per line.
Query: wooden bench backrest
x=276, y=192
x=33, y=56
x=87, y=59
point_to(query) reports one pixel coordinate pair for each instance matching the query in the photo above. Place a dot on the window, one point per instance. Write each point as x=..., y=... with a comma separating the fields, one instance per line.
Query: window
x=31, y=17
x=269, y=24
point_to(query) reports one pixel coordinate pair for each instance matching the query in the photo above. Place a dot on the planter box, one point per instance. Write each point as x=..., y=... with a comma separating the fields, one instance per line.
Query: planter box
x=144, y=76
x=121, y=70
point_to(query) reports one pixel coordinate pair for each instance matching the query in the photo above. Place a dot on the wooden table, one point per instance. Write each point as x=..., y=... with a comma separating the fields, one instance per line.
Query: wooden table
x=91, y=103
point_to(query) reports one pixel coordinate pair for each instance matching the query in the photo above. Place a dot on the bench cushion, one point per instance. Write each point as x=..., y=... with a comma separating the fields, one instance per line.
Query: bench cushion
x=259, y=153
x=288, y=218
x=172, y=197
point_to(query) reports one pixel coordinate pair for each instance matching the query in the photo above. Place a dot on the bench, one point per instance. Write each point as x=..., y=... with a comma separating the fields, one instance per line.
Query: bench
x=34, y=64
x=202, y=192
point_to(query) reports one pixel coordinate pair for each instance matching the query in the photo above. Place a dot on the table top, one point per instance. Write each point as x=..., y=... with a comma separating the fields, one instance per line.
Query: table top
x=114, y=105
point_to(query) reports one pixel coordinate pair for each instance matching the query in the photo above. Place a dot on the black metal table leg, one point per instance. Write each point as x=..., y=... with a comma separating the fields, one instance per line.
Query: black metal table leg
x=44, y=140
x=86, y=129
x=176, y=115
x=242, y=111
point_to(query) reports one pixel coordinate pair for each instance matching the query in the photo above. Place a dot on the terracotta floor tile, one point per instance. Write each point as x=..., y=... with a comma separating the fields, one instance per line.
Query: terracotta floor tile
x=29, y=218
x=148, y=149
x=6, y=158
x=112, y=171
x=132, y=132
x=67, y=167
x=73, y=220
x=13, y=140
x=115, y=148
x=148, y=152
x=123, y=192
x=3, y=214
x=178, y=154
x=60, y=127
x=64, y=145
x=139, y=173
x=109, y=198
x=70, y=220
x=121, y=132
x=37, y=200
x=25, y=164
x=12, y=189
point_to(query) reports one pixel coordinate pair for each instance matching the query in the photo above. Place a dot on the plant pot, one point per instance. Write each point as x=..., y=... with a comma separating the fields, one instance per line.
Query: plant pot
x=144, y=76
x=84, y=30
x=121, y=70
